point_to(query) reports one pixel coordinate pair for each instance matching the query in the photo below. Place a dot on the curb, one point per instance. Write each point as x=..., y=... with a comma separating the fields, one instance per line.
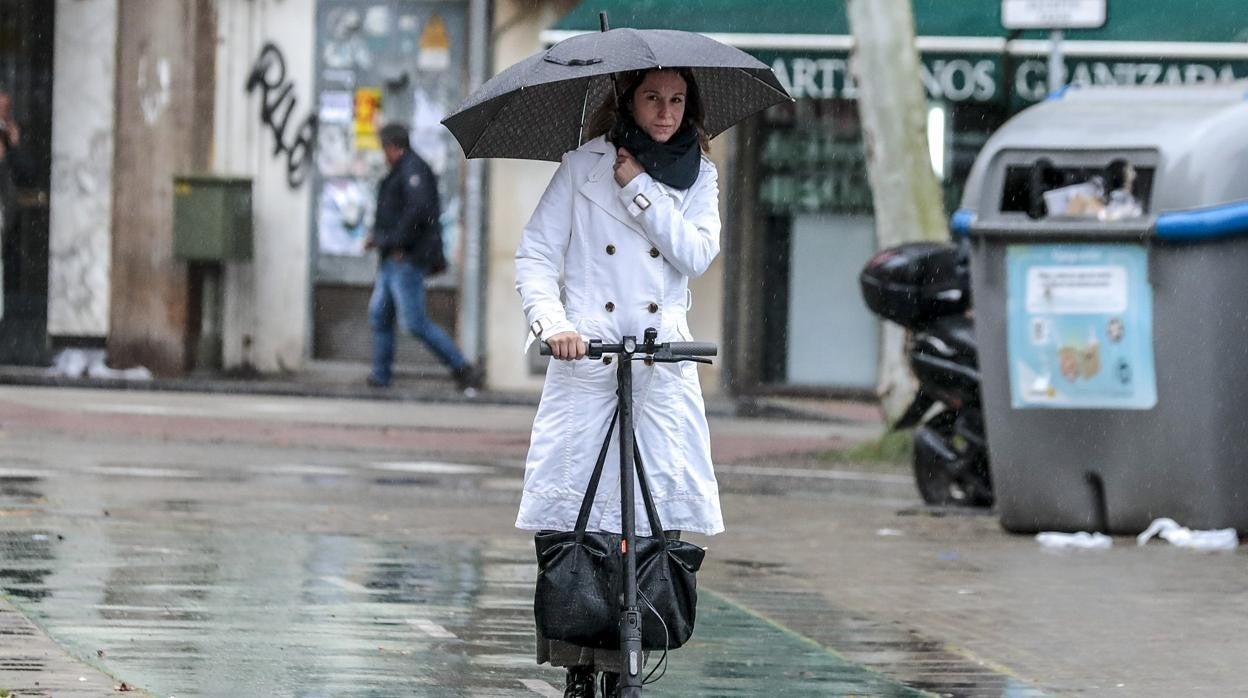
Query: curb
x=429, y=392
x=761, y=479
x=265, y=387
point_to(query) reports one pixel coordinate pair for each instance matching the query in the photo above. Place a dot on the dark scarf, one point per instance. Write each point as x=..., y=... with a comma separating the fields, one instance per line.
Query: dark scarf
x=674, y=163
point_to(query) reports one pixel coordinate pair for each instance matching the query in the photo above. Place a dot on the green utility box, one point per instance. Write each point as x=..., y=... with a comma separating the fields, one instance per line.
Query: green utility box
x=211, y=218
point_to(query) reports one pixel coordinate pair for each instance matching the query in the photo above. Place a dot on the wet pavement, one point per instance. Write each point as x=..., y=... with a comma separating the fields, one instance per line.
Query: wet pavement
x=212, y=548
x=275, y=579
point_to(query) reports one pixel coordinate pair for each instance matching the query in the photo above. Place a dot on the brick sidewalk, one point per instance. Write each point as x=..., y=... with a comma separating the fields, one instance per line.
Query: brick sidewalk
x=36, y=666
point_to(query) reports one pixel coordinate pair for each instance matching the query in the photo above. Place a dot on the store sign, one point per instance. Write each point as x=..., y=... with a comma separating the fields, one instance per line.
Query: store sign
x=979, y=79
x=1031, y=76
x=1052, y=14
x=957, y=79
x=1080, y=327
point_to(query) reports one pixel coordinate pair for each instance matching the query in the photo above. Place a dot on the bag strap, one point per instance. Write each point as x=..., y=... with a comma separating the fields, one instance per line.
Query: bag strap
x=587, y=503
x=652, y=512
x=582, y=518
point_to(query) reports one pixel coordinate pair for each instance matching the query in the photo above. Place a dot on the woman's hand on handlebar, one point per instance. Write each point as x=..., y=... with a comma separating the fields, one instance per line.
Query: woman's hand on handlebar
x=567, y=346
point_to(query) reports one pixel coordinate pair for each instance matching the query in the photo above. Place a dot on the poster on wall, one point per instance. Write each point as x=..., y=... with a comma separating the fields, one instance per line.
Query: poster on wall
x=336, y=107
x=367, y=112
x=1080, y=327
x=379, y=62
x=435, y=46
x=335, y=138
x=344, y=216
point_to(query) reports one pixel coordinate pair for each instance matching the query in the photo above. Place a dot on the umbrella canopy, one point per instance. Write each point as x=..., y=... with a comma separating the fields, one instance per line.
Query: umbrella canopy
x=538, y=108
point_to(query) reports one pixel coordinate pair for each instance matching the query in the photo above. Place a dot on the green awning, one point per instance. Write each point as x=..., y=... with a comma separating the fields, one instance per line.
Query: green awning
x=1218, y=21
x=962, y=43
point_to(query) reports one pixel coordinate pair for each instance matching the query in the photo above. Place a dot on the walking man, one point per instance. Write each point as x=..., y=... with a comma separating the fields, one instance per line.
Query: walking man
x=408, y=240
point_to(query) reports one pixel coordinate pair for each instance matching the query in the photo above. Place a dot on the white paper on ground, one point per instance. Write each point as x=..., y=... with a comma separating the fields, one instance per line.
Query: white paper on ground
x=1171, y=531
x=1082, y=539
x=76, y=363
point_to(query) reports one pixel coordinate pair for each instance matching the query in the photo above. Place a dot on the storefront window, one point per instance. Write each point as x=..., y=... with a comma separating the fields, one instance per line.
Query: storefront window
x=812, y=218
x=814, y=205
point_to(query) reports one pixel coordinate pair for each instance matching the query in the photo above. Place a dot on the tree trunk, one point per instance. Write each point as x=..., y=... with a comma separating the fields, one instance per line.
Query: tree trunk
x=164, y=97
x=908, y=203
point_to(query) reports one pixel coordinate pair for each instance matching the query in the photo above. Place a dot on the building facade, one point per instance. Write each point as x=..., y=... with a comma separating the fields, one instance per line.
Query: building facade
x=119, y=97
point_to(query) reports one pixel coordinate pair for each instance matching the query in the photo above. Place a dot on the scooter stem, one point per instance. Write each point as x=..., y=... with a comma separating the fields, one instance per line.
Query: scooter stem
x=629, y=685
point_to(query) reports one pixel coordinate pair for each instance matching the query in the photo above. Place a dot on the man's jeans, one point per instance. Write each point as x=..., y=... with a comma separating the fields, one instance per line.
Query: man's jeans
x=400, y=291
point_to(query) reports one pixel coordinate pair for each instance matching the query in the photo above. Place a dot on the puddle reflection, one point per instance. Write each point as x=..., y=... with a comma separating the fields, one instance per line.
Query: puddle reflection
x=183, y=602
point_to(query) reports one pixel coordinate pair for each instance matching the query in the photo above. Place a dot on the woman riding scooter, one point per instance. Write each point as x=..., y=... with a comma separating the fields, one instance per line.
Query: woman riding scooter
x=626, y=221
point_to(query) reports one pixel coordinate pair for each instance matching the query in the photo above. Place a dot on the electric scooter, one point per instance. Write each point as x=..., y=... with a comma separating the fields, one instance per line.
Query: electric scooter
x=626, y=352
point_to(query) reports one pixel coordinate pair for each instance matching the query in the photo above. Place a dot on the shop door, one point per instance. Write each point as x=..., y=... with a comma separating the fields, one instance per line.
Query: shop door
x=381, y=61
x=26, y=78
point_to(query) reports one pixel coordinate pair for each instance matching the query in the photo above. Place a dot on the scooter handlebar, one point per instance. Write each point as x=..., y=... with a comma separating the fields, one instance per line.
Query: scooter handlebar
x=674, y=348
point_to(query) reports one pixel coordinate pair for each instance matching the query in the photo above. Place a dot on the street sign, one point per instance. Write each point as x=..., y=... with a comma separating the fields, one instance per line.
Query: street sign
x=1052, y=14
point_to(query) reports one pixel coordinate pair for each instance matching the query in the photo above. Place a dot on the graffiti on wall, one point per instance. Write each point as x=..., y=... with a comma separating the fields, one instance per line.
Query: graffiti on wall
x=277, y=106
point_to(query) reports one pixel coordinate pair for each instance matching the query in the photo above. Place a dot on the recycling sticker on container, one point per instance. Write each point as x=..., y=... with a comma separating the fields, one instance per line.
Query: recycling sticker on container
x=1080, y=326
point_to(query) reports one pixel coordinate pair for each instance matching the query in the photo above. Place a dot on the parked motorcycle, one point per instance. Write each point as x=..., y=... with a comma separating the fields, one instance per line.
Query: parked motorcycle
x=925, y=287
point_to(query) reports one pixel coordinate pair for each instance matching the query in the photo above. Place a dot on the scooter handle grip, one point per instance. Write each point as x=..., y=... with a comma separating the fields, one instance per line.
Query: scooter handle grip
x=693, y=348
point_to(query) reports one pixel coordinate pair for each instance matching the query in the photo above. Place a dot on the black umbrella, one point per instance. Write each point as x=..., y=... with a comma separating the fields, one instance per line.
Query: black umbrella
x=538, y=109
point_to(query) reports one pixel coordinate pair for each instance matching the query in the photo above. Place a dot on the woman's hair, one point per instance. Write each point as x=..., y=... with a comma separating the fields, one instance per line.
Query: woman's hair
x=627, y=83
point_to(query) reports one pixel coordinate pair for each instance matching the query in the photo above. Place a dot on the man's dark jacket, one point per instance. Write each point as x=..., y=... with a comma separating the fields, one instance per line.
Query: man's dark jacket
x=407, y=213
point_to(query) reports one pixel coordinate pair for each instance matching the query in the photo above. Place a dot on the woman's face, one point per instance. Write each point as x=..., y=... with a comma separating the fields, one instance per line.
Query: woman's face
x=659, y=104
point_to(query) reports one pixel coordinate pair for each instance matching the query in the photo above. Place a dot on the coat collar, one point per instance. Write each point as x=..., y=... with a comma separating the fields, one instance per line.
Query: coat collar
x=600, y=187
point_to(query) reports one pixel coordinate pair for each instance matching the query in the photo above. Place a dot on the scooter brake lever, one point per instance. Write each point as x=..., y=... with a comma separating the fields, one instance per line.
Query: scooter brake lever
x=676, y=359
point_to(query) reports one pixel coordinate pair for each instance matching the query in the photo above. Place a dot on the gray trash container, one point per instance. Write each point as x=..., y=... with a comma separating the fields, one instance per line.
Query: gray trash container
x=1109, y=237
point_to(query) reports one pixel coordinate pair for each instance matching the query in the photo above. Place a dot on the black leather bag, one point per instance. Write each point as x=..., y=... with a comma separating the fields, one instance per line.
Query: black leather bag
x=580, y=579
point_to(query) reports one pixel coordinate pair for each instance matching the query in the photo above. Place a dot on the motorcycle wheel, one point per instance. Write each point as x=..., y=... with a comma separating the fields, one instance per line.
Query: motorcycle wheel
x=947, y=470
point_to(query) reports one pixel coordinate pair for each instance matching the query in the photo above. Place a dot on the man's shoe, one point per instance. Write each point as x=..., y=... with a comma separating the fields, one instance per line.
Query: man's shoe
x=469, y=379
x=580, y=682
x=375, y=382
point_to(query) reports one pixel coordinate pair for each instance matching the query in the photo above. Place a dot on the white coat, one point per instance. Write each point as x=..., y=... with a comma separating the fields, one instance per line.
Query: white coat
x=592, y=260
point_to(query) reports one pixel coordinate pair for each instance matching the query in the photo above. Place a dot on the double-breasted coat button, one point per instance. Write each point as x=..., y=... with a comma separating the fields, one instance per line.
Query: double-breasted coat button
x=610, y=249
x=654, y=252
x=654, y=307
x=610, y=306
